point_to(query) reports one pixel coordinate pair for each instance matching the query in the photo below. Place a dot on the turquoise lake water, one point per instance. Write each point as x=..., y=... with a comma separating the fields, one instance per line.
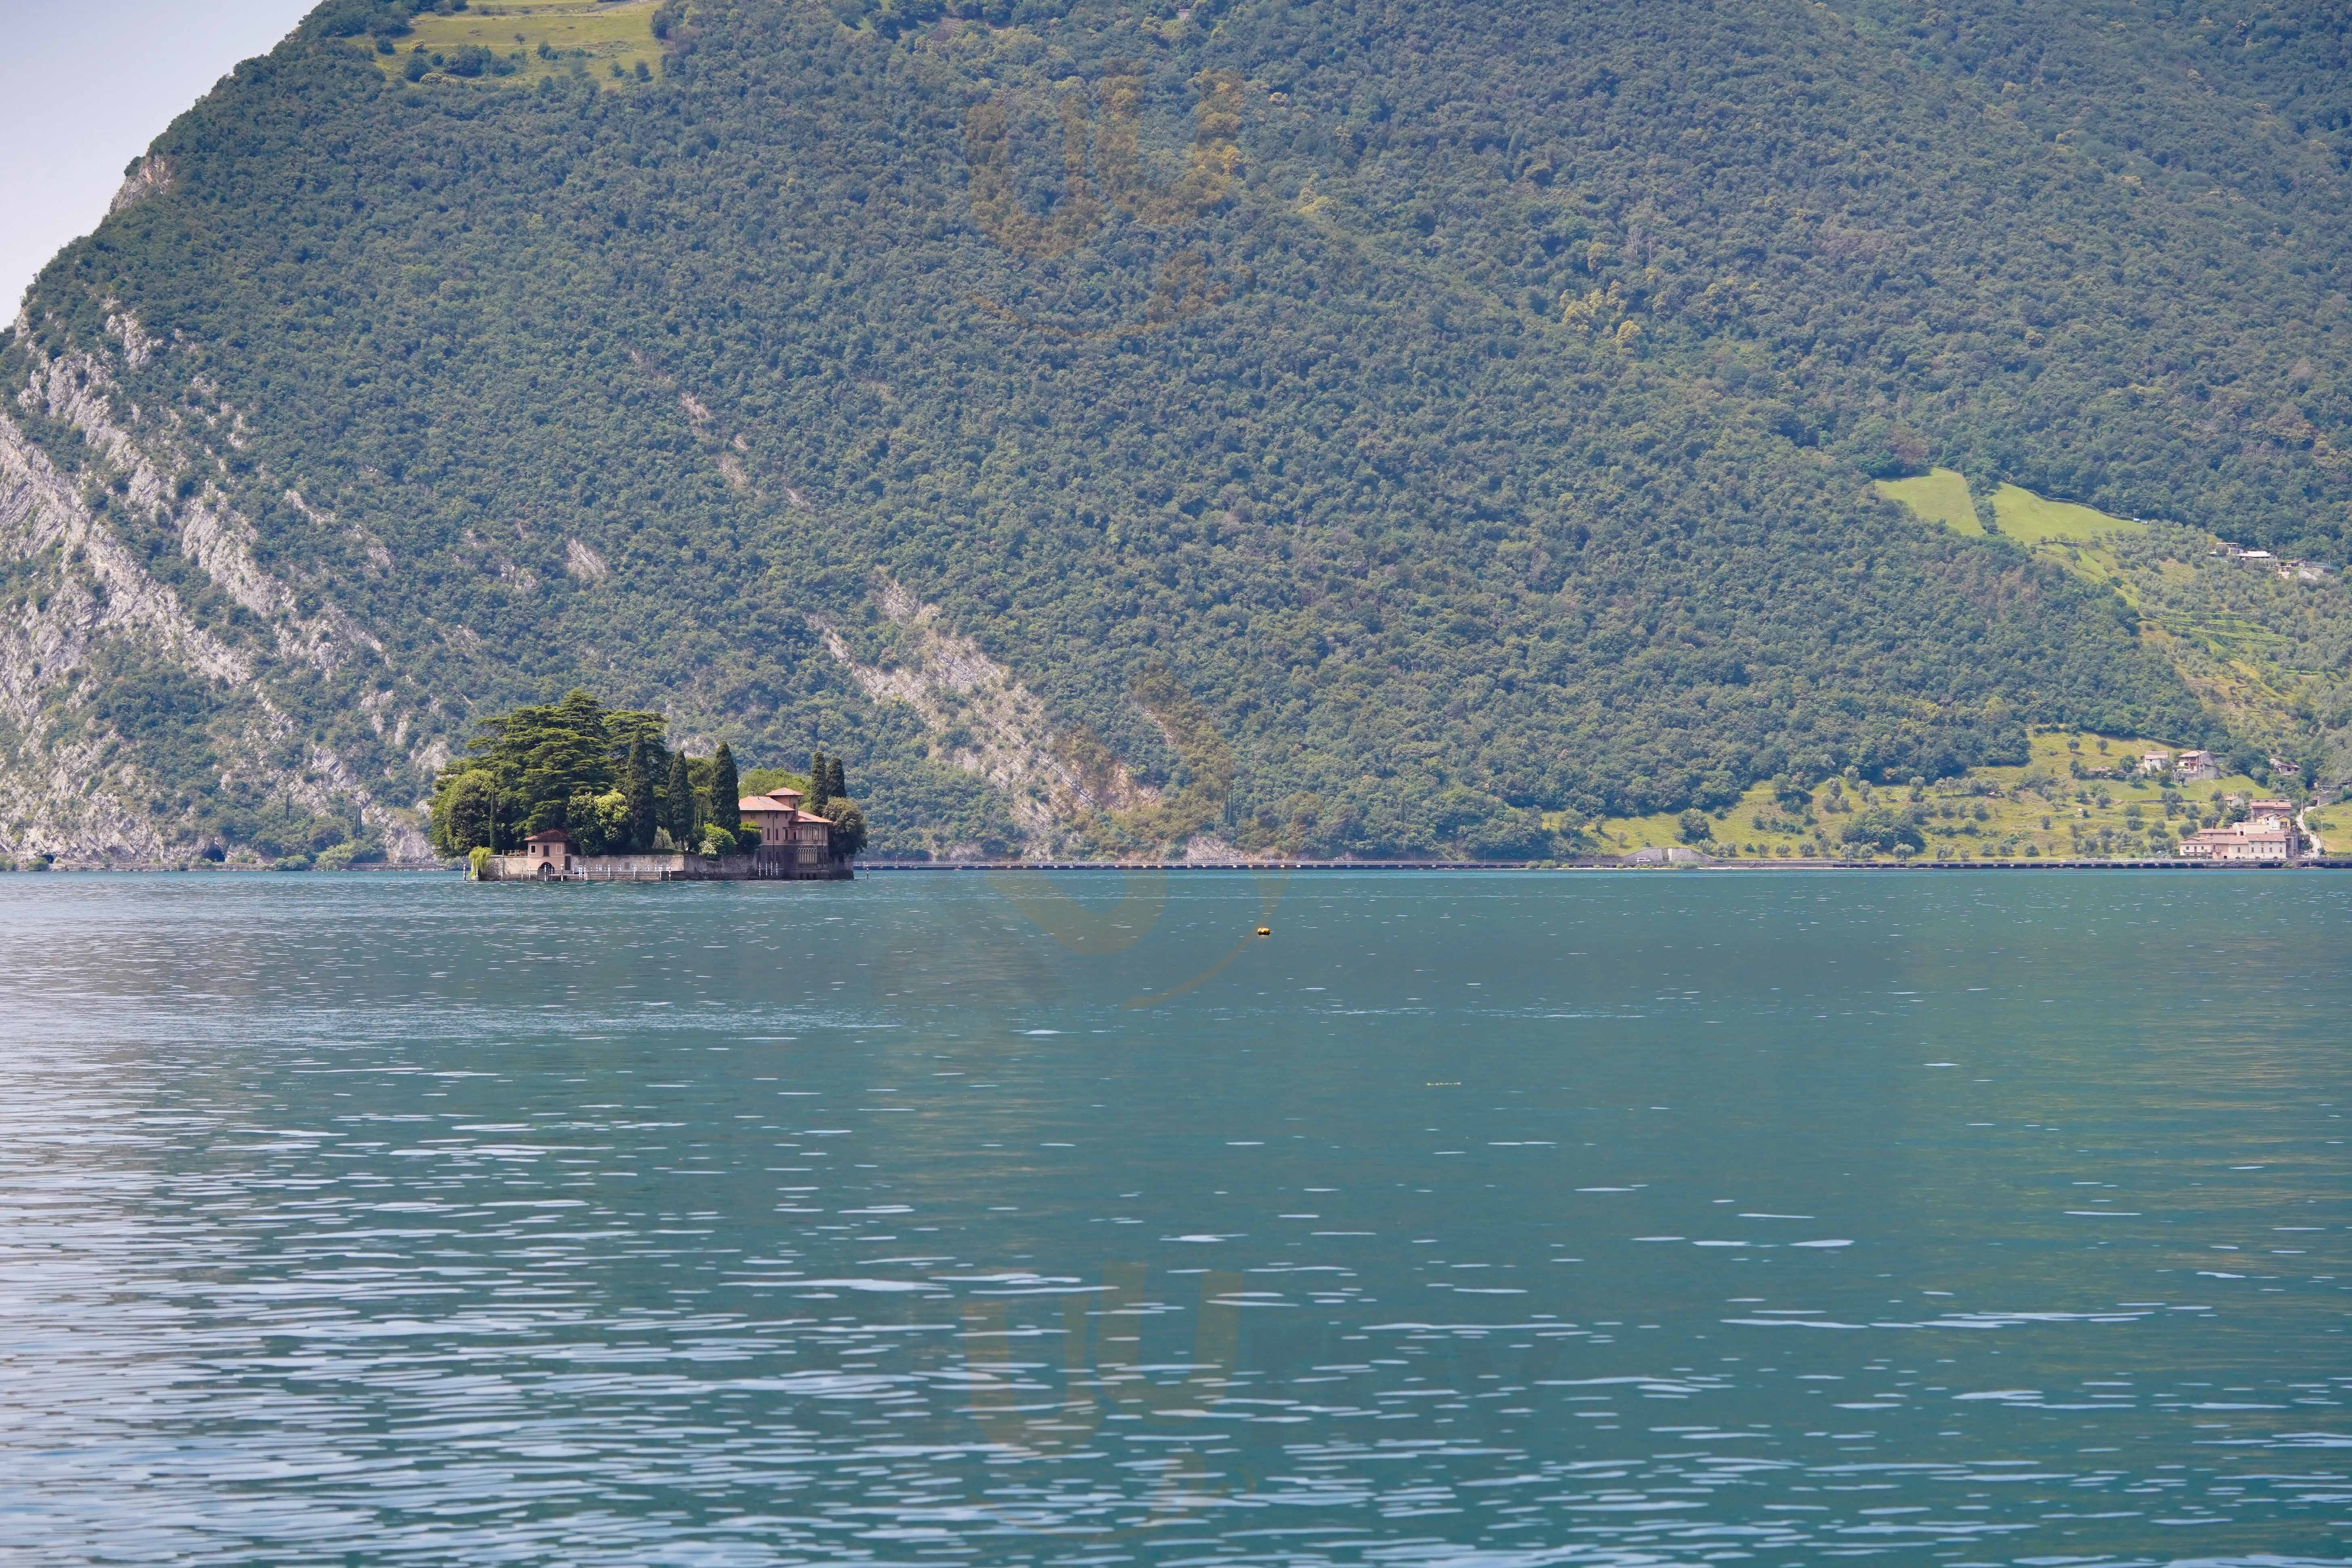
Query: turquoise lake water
x=1511, y=1218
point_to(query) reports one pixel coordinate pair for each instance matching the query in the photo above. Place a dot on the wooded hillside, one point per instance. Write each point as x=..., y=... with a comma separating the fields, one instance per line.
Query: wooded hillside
x=1444, y=413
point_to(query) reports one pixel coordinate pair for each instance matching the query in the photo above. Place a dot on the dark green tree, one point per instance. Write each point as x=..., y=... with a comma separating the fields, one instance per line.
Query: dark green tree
x=819, y=777
x=681, y=813
x=551, y=754
x=726, y=790
x=637, y=789
x=622, y=727
x=848, y=834
x=1883, y=831
x=537, y=757
x=836, y=786
x=467, y=814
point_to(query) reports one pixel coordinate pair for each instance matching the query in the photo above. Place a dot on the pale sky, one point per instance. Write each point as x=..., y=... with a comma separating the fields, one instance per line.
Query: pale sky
x=85, y=85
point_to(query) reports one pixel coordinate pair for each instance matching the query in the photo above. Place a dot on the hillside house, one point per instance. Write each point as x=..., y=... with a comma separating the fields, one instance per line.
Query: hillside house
x=2155, y=761
x=2189, y=767
x=2286, y=569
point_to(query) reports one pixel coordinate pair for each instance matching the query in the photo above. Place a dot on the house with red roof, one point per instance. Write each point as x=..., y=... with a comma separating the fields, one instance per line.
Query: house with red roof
x=801, y=840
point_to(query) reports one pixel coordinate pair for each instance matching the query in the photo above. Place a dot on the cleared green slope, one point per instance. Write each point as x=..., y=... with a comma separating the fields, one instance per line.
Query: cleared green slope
x=1941, y=496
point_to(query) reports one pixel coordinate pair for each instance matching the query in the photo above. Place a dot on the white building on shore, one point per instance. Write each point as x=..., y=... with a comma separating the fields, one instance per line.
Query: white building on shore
x=2269, y=833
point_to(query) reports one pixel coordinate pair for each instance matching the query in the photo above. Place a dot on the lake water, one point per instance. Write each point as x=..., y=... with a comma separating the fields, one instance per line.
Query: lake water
x=1508, y=1218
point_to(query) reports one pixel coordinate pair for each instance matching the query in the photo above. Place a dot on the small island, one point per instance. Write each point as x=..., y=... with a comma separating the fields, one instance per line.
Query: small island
x=574, y=791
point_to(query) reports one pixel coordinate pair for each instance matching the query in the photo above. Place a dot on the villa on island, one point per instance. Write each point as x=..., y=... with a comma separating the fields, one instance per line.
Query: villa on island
x=802, y=838
x=795, y=845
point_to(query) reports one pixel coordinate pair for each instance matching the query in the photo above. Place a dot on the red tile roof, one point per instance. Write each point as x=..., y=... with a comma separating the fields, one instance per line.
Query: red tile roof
x=760, y=806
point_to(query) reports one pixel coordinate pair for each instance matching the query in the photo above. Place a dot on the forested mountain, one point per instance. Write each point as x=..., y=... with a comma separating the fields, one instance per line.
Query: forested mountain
x=1346, y=425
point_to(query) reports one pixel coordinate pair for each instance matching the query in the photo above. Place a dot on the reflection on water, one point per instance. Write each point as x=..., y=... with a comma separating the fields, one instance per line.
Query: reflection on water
x=1482, y=1218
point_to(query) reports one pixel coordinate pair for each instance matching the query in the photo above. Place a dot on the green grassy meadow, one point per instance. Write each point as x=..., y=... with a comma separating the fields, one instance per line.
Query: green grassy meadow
x=2030, y=520
x=2037, y=811
x=574, y=35
x=2078, y=537
x=1941, y=496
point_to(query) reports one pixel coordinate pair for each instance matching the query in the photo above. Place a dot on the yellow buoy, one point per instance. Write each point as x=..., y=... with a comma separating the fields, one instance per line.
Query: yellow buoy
x=1265, y=931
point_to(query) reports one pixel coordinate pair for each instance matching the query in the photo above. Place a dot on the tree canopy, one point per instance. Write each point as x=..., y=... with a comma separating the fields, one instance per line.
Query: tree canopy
x=525, y=768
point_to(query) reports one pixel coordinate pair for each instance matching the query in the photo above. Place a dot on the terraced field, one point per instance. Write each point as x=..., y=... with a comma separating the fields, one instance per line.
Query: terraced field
x=2273, y=657
x=2038, y=811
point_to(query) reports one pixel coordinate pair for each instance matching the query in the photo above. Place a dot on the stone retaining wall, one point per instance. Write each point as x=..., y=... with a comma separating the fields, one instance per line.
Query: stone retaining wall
x=761, y=866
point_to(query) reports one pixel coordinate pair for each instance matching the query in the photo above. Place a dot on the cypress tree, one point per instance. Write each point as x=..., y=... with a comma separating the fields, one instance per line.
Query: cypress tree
x=818, y=780
x=836, y=787
x=682, y=814
x=637, y=787
x=726, y=790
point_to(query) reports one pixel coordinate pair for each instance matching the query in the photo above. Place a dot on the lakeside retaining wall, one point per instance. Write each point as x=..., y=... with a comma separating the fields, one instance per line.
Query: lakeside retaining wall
x=759, y=866
x=1696, y=863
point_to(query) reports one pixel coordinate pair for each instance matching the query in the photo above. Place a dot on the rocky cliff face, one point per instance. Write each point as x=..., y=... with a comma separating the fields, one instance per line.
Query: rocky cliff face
x=154, y=673
x=146, y=653
x=985, y=721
